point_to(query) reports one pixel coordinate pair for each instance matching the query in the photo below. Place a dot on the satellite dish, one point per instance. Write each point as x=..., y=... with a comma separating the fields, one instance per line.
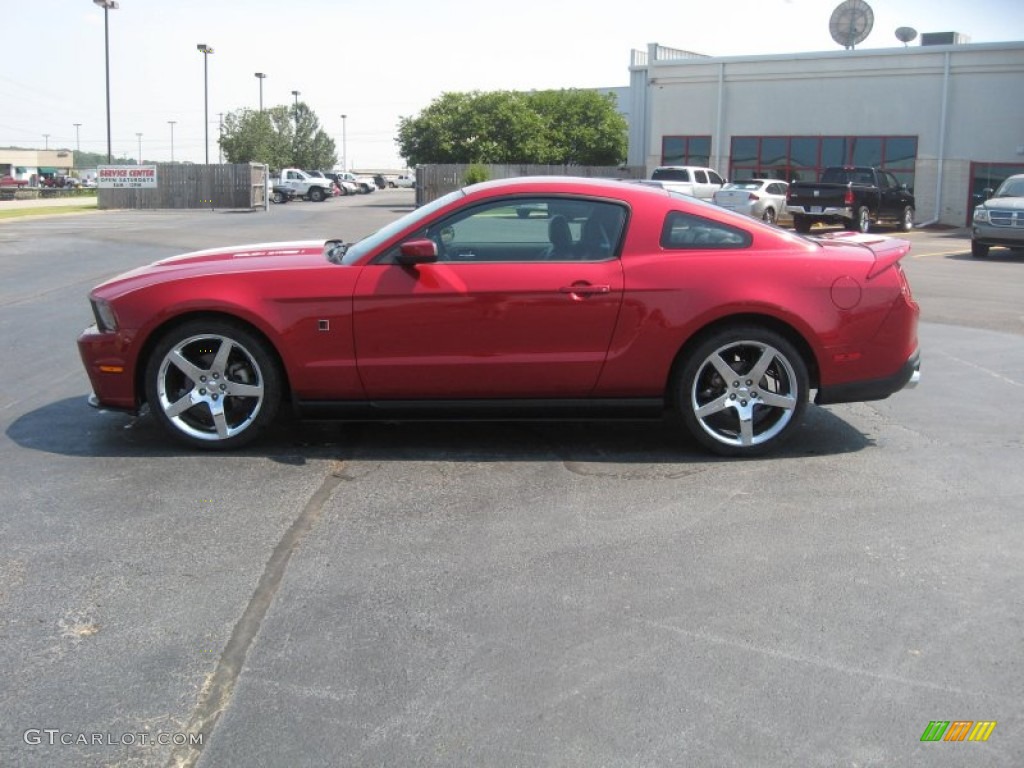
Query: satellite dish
x=906, y=34
x=851, y=22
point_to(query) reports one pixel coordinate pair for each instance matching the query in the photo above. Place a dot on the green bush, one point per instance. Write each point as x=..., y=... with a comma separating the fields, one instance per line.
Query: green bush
x=475, y=174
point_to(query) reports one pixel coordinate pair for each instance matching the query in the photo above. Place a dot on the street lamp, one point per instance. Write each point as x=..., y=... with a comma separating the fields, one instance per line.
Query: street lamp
x=296, y=95
x=107, y=6
x=344, y=145
x=171, y=123
x=261, y=77
x=46, y=136
x=206, y=50
x=140, y=147
x=78, y=143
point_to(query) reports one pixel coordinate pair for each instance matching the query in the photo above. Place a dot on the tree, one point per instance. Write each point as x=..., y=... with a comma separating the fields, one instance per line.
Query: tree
x=570, y=127
x=280, y=137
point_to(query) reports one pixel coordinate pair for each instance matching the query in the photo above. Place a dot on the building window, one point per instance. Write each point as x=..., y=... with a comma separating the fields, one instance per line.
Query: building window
x=803, y=158
x=685, y=150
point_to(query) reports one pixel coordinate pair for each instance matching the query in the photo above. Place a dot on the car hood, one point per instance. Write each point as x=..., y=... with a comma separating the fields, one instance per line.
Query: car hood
x=237, y=259
x=1005, y=203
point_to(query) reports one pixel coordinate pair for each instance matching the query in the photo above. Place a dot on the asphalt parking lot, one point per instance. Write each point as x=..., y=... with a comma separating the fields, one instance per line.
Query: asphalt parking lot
x=503, y=594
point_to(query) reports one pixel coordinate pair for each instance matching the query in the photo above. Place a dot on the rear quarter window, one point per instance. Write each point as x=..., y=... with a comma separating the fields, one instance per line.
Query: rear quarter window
x=684, y=231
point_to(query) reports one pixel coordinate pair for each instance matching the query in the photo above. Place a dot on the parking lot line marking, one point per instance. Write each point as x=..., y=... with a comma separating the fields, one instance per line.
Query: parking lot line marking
x=929, y=254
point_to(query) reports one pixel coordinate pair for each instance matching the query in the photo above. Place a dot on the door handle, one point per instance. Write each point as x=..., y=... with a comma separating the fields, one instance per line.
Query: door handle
x=585, y=289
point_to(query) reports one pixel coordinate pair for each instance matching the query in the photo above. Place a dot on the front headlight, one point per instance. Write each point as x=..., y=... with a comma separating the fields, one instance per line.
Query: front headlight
x=981, y=215
x=106, y=320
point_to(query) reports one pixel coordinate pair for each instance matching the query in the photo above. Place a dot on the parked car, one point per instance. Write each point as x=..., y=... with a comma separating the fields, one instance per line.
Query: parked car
x=999, y=221
x=365, y=184
x=406, y=180
x=691, y=180
x=654, y=304
x=11, y=181
x=854, y=196
x=763, y=199
x=282, y=194
x=345, y=187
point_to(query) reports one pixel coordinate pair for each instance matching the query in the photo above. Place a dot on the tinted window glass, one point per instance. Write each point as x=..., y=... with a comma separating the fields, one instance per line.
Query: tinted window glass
x=684, y=231
x=671, y=174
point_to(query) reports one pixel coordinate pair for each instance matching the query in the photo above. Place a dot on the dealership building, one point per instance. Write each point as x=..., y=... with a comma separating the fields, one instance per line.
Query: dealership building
x=946, y=119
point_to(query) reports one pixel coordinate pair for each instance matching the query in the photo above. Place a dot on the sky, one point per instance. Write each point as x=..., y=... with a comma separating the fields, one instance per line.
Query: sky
x=377, y=60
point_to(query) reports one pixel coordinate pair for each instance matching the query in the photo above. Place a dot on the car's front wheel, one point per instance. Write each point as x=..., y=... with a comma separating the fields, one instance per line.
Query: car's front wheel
x=978, y=250
x=213, y=384
x=742, y=391
x=907, y=219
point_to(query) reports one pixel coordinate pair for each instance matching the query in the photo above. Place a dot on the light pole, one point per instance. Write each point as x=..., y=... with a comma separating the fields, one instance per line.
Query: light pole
x=46, y=137
x=261, y=77
x=206, y=50
x=296, y=95
x=344, y=144
x=140, y=147
x=78, y=142
x=107, y=6
x=171, y=123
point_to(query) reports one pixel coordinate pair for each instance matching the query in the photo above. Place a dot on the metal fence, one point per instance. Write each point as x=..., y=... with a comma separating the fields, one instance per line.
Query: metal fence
x=434, y=181
x=236, y=186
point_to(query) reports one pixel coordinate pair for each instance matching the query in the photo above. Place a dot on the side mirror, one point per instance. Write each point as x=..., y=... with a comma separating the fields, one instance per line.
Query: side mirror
x=988, y=192
x=417, y=252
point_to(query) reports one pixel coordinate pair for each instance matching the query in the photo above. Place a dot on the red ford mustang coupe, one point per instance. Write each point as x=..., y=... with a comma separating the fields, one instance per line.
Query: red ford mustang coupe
x=533, y=298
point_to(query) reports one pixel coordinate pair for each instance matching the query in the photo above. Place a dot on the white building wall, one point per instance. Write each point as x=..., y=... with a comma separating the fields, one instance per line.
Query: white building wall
x=891, y=92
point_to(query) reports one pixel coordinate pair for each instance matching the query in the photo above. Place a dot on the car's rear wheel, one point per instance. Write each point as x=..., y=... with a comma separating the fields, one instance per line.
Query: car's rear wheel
x=279, y=197
x=801, y=223
x=213, y=384
x=316, y=194
x=862, y=221
x=742, y=391
x=768, y=217
x=979, y=250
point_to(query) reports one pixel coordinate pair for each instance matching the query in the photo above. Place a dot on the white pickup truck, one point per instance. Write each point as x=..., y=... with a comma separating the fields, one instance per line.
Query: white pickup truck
x=304, y=185
x=690, y=180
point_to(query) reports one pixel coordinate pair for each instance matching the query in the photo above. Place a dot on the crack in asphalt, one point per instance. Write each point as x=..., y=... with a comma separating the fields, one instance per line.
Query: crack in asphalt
x=217, y=693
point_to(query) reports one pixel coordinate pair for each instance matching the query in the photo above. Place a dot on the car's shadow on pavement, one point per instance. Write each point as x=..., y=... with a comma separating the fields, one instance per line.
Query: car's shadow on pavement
x=70, y=428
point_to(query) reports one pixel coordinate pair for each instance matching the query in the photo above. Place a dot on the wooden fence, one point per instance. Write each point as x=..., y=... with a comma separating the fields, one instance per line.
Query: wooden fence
x=434, y=181
x=179, y=185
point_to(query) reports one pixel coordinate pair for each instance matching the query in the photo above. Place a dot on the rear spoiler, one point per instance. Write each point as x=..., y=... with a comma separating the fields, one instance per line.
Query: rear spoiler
x=887, y=250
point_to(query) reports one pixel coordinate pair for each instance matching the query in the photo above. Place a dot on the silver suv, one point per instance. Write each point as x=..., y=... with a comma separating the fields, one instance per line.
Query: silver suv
x=1000, y=219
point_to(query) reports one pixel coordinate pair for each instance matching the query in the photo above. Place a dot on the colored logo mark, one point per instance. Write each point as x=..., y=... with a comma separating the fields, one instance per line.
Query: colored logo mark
x=958, y=730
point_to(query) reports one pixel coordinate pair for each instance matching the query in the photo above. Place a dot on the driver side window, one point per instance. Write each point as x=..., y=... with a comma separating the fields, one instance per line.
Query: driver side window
x=527, y=229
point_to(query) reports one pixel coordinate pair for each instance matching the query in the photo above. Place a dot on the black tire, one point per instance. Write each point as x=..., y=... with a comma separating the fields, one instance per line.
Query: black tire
x=316, y=194
x=801, y=223
x=979, y=250
x=861, y=221
x=279, y=197
x=907, y=219
x=203, y=370
x=768, y=217
x=711, y=405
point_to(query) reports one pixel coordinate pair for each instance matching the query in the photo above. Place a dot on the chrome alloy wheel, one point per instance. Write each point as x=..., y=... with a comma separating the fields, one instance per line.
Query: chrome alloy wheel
x=744, y=393
x=209, y=387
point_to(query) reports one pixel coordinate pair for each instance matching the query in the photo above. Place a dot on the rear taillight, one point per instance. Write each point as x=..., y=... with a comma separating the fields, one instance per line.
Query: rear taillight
x=752, y=197
x=848, y=197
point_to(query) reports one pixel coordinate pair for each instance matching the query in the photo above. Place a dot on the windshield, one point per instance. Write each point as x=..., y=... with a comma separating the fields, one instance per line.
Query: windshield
x=1012, y=187
x=372, y=242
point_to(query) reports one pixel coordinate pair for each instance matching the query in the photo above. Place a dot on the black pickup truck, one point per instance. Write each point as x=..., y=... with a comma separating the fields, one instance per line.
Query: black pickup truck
x=854, y=196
